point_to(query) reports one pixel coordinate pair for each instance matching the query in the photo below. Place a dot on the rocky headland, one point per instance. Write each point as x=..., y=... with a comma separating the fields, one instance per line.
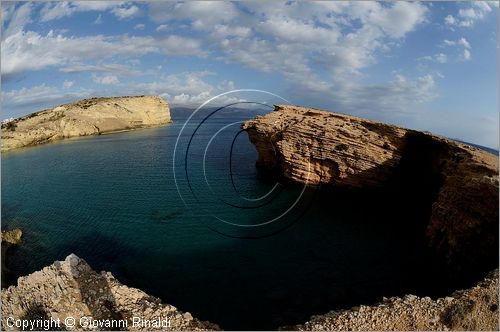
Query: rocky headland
x=85, y=117
x=444, y=192
x=71, y=288
x=457, y=183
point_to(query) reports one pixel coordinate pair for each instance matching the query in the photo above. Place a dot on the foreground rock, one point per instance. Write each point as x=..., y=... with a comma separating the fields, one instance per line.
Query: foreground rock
x=85, y=117
x=340, y=151
x=474, y=309
x=70, y=288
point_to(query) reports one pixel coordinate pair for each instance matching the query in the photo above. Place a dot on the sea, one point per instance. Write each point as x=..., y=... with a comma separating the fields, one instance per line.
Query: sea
x=182, y=213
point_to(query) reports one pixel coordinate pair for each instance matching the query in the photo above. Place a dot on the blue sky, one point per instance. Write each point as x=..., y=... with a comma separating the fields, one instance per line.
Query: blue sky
x=424, y=65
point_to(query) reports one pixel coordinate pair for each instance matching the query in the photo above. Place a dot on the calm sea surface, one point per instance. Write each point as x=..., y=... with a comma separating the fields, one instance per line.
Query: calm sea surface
x=216, y=250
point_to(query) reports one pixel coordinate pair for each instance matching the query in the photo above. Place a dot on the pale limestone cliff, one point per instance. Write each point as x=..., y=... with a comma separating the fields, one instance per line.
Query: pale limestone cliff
x=70, y=288
x=85, y=117
x=336, y=150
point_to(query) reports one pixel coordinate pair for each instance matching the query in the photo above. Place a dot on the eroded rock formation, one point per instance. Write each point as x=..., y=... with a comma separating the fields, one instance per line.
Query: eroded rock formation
x=85, y=117
x=474, y=309
x=70, y=288
x=341, y=151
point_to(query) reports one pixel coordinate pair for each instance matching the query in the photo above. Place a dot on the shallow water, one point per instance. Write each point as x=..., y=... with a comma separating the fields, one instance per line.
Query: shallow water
x=112, y=200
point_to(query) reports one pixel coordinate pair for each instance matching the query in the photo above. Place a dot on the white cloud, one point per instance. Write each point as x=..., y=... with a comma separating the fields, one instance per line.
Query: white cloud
x=468, y=16
x=327, y=42
x=17, y=18
x=125, y=13
x=67, y=84
x=106, y=80
x=439, y=58
x=450, y=20
x=162, y=27
x=462, y=43
x=184, y=89
x=98, y=20
x=399, y=19
x=105, y=68
x=25, y=51
x=402, y=95
x=330, y=43
x=139, y=26
x=467, y=55
x=59, y=9
x=27, y=100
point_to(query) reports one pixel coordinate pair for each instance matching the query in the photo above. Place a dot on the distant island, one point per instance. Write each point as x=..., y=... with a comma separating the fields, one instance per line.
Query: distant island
x=85, y=117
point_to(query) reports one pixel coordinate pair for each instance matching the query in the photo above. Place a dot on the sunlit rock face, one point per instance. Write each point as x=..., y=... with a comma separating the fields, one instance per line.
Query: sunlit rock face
x=71, y=288
x=85, y=117
x=457, y=183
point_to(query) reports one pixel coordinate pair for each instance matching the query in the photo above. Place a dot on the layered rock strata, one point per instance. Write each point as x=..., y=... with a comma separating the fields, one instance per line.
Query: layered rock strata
x=85, y=117
x=341, y=151
x=70, y=288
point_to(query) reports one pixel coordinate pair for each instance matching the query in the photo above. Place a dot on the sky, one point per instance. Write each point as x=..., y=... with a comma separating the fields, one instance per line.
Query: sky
x=424, y=65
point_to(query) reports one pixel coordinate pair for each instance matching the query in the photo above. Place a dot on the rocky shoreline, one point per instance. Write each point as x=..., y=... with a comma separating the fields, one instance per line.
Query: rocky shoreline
x=456, y=183
x=85, y=117
x=70, y=288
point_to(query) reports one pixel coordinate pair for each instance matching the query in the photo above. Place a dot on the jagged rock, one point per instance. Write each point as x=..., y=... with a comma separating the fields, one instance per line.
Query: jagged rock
x=475, y=309
x=318, y=147
x=70, y=288
x=85, y=117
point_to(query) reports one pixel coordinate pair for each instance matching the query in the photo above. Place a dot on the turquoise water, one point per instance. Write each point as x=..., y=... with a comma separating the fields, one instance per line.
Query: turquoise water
x=112, y=200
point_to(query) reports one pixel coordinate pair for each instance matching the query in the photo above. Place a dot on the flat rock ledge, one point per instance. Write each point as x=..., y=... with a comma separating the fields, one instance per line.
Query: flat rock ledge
x=474, y=309
x=71, y=288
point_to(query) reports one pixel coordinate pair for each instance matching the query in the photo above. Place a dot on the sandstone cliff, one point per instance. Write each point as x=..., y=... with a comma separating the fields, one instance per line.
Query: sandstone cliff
x=458, y=183
x=85, y=117
x=70, y=288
